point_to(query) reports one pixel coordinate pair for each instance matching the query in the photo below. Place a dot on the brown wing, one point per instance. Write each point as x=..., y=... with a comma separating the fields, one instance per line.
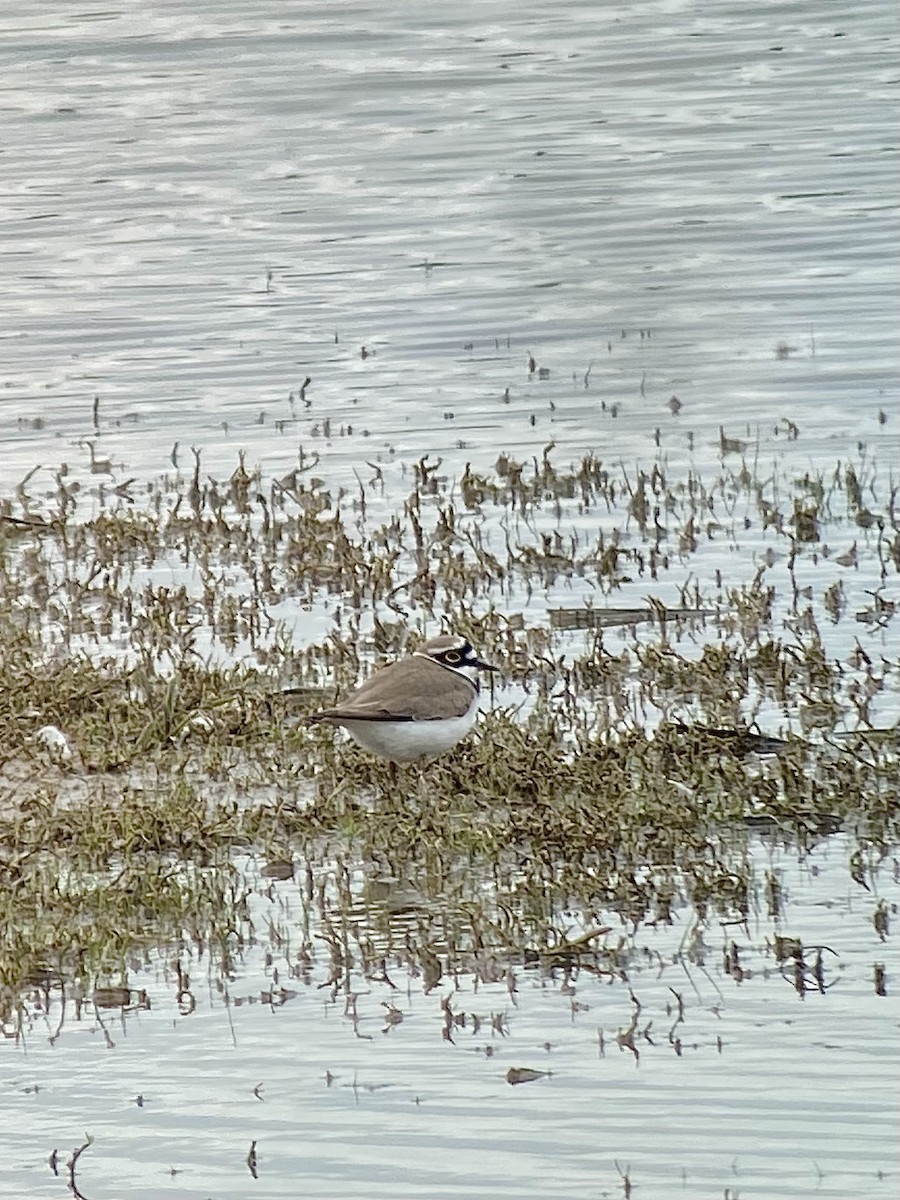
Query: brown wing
x=401, y=692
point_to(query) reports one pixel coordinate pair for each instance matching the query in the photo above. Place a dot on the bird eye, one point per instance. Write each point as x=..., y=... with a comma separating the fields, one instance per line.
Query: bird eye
x=453, y=656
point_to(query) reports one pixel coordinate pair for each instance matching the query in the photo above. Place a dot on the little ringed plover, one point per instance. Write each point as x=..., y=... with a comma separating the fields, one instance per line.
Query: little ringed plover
x=416, y=707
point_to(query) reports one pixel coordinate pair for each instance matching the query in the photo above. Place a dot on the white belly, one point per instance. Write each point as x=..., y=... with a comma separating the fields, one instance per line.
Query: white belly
x=402, y=741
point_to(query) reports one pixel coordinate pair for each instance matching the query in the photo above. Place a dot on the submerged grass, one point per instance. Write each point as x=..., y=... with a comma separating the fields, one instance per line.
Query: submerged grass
x=150, y=762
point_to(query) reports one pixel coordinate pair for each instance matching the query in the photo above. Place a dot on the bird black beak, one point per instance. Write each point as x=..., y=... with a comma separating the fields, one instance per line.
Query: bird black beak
x=482, y=665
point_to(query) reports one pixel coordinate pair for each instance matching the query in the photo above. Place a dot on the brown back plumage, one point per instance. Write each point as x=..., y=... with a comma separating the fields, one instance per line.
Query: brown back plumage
x=413, y=689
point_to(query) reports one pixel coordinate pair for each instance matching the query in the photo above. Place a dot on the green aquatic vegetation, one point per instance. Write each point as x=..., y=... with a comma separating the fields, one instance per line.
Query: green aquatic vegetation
x=92, y=880
x=617, y=775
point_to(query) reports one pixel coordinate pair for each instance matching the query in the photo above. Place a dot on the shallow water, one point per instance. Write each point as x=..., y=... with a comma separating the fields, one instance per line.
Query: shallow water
x=768, y=1092
x=718, y=179
x=203, y=208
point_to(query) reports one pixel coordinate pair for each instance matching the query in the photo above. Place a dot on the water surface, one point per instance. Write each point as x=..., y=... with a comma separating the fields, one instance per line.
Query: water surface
x=200, y=209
